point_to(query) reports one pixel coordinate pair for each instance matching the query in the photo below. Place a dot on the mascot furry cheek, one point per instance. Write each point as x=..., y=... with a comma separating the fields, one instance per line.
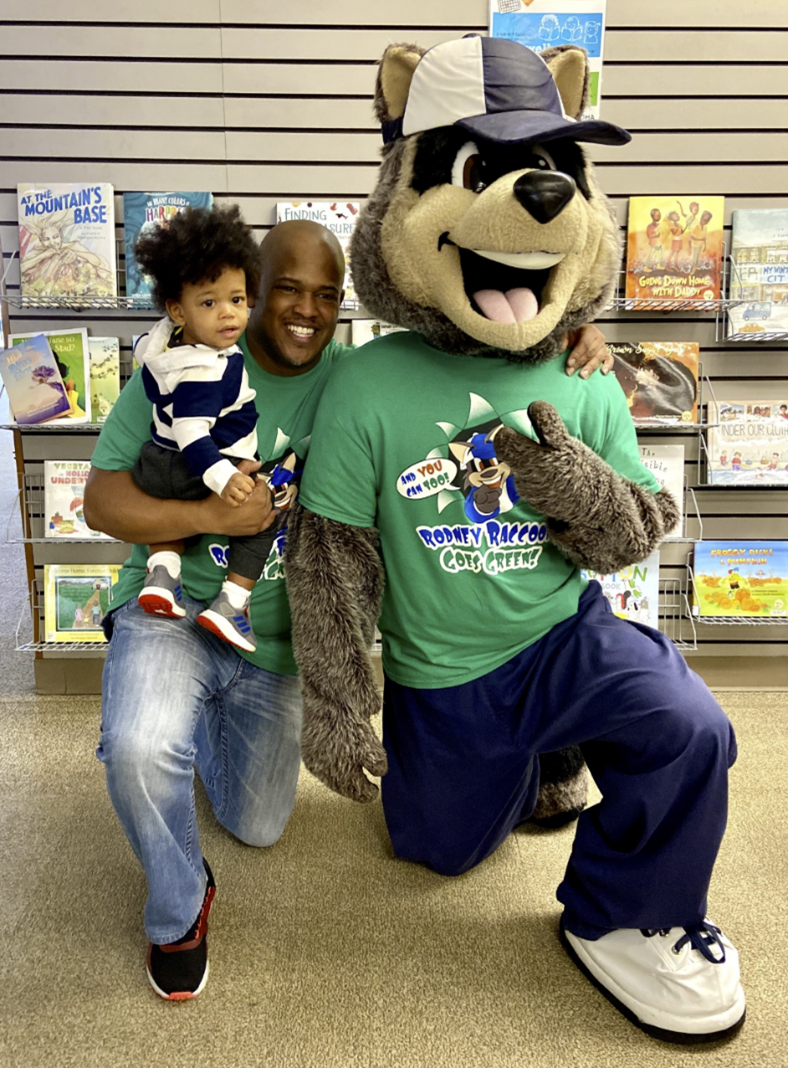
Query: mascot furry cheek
x=486, y=236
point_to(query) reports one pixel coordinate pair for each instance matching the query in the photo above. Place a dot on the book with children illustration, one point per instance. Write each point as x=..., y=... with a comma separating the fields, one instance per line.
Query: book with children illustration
x=659, y=380
x=67, y=240
x=633, y=592
x=337, y=216
x=76, y=599
x=64, y=492
x=759, y=272
x=747, y=443
x=104, y=354
x=72, y=356
x=143, y=211
x=674, y=248
x=666, y=463
x=741, y=578
x=541, y=24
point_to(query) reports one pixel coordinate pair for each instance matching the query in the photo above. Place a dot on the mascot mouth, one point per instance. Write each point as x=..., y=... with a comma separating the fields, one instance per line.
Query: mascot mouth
x=506, y=287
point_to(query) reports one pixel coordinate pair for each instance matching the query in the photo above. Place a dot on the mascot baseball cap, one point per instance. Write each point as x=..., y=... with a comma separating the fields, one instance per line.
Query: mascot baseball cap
x=495, y=89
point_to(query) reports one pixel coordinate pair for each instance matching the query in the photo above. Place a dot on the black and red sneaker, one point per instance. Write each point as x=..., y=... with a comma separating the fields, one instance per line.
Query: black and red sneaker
x=179, y=970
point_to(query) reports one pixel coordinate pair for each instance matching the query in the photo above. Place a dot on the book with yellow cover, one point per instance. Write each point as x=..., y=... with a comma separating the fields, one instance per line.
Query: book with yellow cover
x=674, y=248
x=76, y=599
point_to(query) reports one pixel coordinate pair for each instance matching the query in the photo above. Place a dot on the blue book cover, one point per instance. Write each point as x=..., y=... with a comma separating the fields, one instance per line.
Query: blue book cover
x=143, y=211
x=31, y=377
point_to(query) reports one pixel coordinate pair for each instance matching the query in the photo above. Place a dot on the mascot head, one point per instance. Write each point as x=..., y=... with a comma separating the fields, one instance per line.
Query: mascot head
x=486, y=232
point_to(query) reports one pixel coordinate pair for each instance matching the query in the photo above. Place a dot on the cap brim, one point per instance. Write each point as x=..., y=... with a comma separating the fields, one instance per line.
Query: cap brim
x=522, y=127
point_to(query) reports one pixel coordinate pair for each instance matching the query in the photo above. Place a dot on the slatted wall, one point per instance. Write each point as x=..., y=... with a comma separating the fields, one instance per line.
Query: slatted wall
x=261, y=101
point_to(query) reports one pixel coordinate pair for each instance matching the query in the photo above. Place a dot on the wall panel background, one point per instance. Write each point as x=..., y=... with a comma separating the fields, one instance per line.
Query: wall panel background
x=260, y=101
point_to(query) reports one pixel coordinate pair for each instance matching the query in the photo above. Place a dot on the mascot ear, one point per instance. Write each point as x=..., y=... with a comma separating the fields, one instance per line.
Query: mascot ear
x=569, y=67
x=394, y=77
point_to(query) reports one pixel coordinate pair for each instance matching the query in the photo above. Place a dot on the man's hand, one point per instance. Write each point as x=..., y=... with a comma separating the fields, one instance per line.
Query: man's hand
x=237, y=489
x=588, y=351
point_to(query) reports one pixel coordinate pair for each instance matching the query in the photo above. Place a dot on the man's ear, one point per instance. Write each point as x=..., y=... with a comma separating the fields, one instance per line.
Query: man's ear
x=394, y=76
x=569, y=67
x=175, y=312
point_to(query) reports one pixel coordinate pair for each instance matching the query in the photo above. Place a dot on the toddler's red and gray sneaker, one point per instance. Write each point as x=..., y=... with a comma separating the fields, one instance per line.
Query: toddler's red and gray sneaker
x=179, y=970
x=679, y=984
x=161, y=594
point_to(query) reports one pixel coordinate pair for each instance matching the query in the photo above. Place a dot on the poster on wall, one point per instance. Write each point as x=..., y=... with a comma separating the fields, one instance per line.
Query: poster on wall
x=542, y=24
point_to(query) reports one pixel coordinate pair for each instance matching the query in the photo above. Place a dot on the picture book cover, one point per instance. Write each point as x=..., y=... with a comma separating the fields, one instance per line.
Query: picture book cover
x=143, y=211
x=35, y=387
x=741, y=578
x=666, y=463
x=633, y=592
x=759, y=271
x=67, y=240
x=747, y=443
x=64, y=492
x=362, y=331
x=72, y=355
x=339, y=218
x=659, y=380
x=104, y=354
x=76, y=599
x=674, y=248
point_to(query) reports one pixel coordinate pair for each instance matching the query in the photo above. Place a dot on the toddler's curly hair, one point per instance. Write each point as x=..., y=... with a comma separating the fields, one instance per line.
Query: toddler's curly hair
x=195, y=246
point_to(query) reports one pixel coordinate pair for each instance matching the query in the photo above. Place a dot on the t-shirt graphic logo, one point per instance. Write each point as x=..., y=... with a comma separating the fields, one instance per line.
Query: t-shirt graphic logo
x=219, y=554
x=485, y=481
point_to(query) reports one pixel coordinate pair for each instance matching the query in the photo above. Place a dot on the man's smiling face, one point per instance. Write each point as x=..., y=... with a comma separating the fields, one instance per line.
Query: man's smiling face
x=300, y=293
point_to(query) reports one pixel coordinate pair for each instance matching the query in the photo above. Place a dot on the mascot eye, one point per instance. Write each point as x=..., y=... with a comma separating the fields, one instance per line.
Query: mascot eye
x=468, y=169
x=543, y=161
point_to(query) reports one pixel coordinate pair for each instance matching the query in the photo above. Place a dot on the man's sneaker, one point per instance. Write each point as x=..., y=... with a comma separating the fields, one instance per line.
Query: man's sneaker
x=161, y=594
x=680, y=984
x=179, y=970
x=230, y=624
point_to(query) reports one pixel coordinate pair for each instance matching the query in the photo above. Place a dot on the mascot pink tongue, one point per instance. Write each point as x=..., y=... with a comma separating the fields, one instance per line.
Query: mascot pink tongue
x=514, y=306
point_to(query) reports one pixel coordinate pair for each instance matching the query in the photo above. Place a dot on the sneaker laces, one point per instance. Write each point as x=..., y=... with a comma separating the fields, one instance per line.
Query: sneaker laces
x=703, y=937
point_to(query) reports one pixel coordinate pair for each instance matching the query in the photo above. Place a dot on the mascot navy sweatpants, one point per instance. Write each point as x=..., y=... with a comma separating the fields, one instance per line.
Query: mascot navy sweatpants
x=463, y=774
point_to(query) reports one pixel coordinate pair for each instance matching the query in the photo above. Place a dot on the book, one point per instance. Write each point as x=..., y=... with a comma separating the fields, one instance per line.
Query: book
x=339, y=218
x=76, y=599
x=362, y=331
x=633, y=592
x=741, y=578
x=64, y=492
x=541, y=24
x=104, y=359
x=35, y=387
x=659, y=380
x=666, y=463
x=759, y=271
x=72, y=355
x=67, y=240
x=141, y=213
x=747, y=443
x=674, y=248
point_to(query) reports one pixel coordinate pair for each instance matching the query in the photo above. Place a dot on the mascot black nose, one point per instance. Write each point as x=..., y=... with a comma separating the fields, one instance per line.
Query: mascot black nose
x=544, y=194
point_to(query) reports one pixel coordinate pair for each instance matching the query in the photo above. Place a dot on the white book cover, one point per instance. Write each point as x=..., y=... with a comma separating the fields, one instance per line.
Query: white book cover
x=666, y=463
x=104, y=375
x=633, y=592
x=759, y=271
x=541, y=24
x=337, y=216
x=64, y=492
x=747, y=443
x=67, y=240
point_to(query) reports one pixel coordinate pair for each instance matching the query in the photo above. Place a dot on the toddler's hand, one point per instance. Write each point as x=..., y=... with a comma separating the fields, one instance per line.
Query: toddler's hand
x=238, y=488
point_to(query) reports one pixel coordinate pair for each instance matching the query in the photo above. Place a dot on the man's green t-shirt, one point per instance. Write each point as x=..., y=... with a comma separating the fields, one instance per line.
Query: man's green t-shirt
x=286, y=409
x=404, y=441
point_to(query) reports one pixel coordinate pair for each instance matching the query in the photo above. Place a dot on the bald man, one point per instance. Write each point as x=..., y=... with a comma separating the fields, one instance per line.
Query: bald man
x=175, y=697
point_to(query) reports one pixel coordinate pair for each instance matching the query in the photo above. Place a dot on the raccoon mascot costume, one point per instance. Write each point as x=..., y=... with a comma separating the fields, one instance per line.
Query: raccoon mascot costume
x=459, y=462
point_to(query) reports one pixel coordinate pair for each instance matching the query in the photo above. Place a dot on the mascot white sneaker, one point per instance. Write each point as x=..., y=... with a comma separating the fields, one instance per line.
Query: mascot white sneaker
x=457, y=482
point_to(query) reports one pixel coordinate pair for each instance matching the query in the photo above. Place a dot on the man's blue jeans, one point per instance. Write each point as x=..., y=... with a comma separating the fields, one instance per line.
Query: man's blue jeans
x=176, y=698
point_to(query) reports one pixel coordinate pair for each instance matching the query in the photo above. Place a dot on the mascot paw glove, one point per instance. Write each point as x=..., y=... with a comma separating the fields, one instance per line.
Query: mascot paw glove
x=339, y=756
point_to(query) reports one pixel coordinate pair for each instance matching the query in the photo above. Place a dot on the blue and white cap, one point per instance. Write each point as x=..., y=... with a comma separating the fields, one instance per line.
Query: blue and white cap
x=495, y=89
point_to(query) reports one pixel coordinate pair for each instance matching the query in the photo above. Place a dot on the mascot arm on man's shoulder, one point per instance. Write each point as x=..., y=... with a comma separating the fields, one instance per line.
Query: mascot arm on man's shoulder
x=335, y=584
x=597, y=518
